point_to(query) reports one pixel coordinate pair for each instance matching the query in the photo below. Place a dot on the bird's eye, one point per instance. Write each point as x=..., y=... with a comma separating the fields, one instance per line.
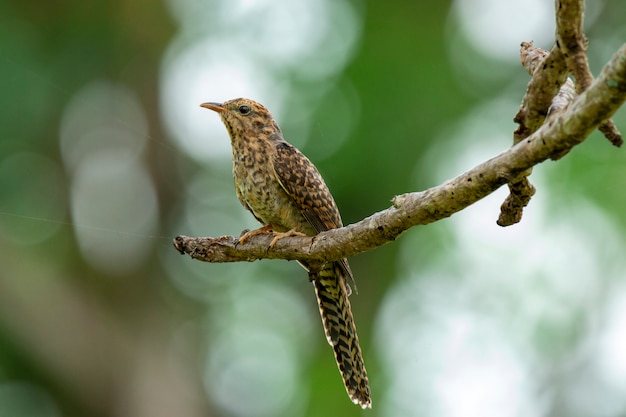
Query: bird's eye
x=244, y=109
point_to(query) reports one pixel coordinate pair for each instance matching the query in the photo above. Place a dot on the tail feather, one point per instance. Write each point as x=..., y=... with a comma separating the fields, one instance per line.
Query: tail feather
x=332, y=296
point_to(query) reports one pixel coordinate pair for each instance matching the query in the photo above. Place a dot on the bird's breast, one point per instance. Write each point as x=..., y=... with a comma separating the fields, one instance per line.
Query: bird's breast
x=258, y=187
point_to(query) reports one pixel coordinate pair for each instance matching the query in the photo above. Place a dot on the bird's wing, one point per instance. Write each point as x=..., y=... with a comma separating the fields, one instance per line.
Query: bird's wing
x=304, y=184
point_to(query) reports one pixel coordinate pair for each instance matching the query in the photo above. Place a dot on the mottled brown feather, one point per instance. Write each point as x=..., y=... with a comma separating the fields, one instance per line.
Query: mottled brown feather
x=307, y=188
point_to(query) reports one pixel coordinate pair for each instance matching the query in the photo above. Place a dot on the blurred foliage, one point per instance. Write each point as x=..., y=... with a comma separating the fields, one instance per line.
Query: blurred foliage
x=99, y=316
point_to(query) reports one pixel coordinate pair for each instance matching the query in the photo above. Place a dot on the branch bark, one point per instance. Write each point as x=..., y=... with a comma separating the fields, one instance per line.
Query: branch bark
x=552, y=140
x=573, y=43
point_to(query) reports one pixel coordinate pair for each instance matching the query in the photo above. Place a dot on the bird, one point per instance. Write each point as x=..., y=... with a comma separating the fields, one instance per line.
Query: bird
x=286, y=193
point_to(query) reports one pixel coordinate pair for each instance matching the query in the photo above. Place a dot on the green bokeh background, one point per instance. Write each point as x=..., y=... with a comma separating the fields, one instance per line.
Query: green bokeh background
x=79, y=338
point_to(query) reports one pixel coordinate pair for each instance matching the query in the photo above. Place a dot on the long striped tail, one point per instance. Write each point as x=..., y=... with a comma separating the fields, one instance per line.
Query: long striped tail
x=332, y=296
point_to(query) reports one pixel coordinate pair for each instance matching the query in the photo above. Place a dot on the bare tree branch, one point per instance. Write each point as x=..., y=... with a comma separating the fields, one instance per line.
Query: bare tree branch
x=571, y=40
x=549, y=74
x=551, y=91
x=554, y=138
x=573, y=43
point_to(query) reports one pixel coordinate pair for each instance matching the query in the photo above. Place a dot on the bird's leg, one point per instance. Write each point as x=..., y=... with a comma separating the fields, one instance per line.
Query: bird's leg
x=279, y=235
x=269, y=229
x=260, y=231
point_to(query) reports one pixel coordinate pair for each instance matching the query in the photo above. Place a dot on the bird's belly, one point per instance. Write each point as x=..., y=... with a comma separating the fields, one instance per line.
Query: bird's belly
x=271, y=204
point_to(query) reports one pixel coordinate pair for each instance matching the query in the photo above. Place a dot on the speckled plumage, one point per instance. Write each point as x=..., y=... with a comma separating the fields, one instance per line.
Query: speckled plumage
x=284, y=191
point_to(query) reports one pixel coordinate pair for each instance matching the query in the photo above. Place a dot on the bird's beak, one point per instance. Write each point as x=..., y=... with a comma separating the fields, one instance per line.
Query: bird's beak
x=217, y=107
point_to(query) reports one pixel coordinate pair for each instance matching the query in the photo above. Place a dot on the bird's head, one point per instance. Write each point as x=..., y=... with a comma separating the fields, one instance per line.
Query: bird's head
x=245, y=117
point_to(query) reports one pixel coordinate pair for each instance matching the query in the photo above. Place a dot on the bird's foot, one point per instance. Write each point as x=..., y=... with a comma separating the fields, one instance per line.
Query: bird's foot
x=279, y=235
x=260, y=231
x=269, y=229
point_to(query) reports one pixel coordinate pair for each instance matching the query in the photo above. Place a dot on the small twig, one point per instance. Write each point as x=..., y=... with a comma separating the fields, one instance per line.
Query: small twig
x=549, y=73
x=571, y=40
x=565, y=96
x=520, y=193
x=548, y=82
x=610, y=131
